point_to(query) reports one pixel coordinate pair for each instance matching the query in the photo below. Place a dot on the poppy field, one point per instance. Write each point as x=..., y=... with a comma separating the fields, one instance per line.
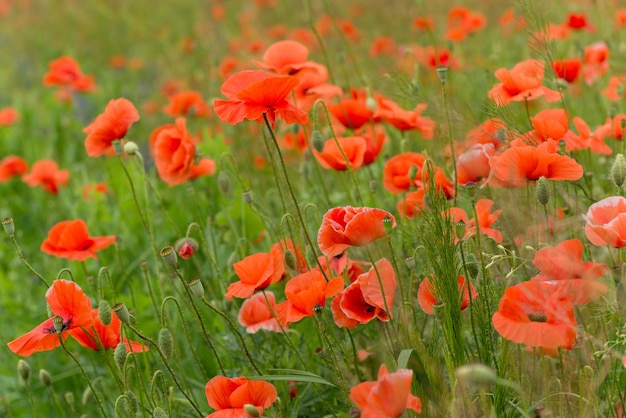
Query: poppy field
x=313, y=209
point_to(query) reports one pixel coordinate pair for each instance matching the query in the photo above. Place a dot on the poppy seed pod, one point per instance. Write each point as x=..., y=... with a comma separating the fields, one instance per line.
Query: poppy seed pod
x=122, y=313
x=9, y=227
x=169, y=256
x=196, y=288
x=247, y=196
x=442, y=73
x=59, y=327
x=618, y=170
x=131, y=148
x=370, y=103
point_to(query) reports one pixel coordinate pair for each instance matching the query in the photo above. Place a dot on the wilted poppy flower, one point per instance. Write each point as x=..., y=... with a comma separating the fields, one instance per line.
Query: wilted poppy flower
x=175, y=154
x=303, y=293
x=532, y=313
x=71, y=240
x=606, y=222
x=65, y=72
x=230, y=396
x=109, y=335
x=562, y=266
x=12, y=166
x=8, y=116
x=253, y=93
x=522, y=82
x=426, y=294
x=187, y=103
x=113, y=124
x=365, y=299
x=333, y=156
x=46, y=173
x=255, y=314
x=387, y=397
x=256, y=272
x=347, y=226
x=567, y=69
x=67, y=302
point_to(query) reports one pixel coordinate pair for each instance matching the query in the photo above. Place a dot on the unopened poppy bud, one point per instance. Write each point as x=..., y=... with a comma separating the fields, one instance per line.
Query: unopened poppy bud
x=104, y=312
x=186, y=247
x=471, y=265
x=9, y=227
x=247, y=196
x=318, y=141
x=166, y=342
x=131, y=148
x=122, y=313
x=442, y=73
x=159, y=412
x=119, y=356
x=476, y=374
x=57, y=321
x=117, y=147
x=410, y=262
x=618, y=170
x=87, y=396
x=45, y=378
x=541, y=191
x=438, y=309
x=69, y=398
x=370, y=103
x=412, y=172
x=132, y=405
x=289, y=259
x=169, y=256
x=23, y=371
x=460, y=228
x=196, y=288
x=223, y=182
x=251, y=410
x=387, y=225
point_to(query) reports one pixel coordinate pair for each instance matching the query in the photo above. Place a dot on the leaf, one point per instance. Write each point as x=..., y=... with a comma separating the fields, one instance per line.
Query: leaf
x=403, y=358
x=295, y=375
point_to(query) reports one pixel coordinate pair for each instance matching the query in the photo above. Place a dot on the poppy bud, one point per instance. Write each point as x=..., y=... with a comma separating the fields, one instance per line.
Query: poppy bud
x=186, y=247
x=196, y=288
x=388, y=225
x=460, y=229
x=251, y=410
x=370, y=103
x=23, y=371
x=412, y=172
x=541, y=191
x=318, y=141
x=247, y=196
x=410, y=262
x=223, y=182
x=117, y=147
x=169, y=256
x=132, y=403
x=289, y=259
x=159, y=413
x=104, y=312
x=9, y=228
x=119, y=355
x=476, y=374
x=87, y=396
x=45, y=378
x=166, y=342
x=57, y=321
x=438, y=309
x=122, y=313
x=131, y=148
x=69, y=398
x=618, y=170
x=442, y=73
x=471, y=265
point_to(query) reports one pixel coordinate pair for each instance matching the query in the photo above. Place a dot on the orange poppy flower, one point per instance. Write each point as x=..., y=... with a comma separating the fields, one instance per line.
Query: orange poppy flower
x=109, y=335
x=620, y=18
x=46, y=173
x=8, y=116
x=562, y=266
x=412, y=204
x=66, y=301
x=256, y=272
x=255, y=314
x=404, y=120
x=425, y=23
x=352, y=111
x=522, y=82
x=492, y=131
x=522, y=163
x=92, y=189
x=71, y=240
x=332, y=156
x=426, y=294
x=397, y=169
x=383, y=45
x=485, y=220
x=613, y=128
x=550, y=123
x=387, y=397
x=532, y=313
x=66, y=73
x=363, y=300
x=463, y=22
x=595, y=61
x=175, y=154
x=586, y=139
x=473, y=165
x=567, y=69
x=113, y=124
x=286, y=57
x=616, y=89
x=605, y=222
x=187, y=103
x=229, y=396
x=253, y=93
x=12, y=166
x=303, y=293
x=341, y=266
x=347, y=226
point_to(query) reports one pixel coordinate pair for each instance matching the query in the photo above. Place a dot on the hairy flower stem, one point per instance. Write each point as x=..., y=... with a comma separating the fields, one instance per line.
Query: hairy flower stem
x=446, y=106
x=333, y=355
x=18, y=250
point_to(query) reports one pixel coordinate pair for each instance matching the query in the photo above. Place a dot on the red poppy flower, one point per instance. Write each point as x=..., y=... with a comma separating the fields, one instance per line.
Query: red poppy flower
x=251, y=94
x=255, y=314
x=522, y=82
x=286, y=57
x=46, y=173
x=187, y=103
x=256, y=272
x=616, y=89
x=352, y=111
x=613, y=128
x=594, y=141
x=332, y=155
x=387, y=397
x=578, y=21
x=492, y=131
x=473, y=165
x=485, y=220
x=229, y=396
x=175, y=154
x=92, y=189
x=550, y=123
x=404, y=120
x=567, y=69
x=341, y=266
x=383, y=45
x=412, y=203
x=424, y=23
x=606, y=222
x=12, y=166
x=532, y=313
x=71, y=240
x=68, y=302
x=463, y=22
x=113, y=124
x=109, y=335
x=595, y=61
x=363, y=300
x=8, y=116
x=426, y=294
x=562, y=266
x=397, y=169
x=303, y=293
x=65, y=72
x=347, y=226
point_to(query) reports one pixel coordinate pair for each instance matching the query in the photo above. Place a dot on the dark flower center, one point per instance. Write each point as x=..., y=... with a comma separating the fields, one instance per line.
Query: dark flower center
x=538, y=317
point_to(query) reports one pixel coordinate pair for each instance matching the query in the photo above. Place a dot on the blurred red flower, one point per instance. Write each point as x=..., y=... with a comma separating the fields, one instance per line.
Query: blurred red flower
x=522, y=82
x=46, y=173
x=113, y=124
x=65, y=73
x=229, y=396
x=606, y=222
x=71, y=240
x=8, y=116
x=426, y=297
x=12, y=166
